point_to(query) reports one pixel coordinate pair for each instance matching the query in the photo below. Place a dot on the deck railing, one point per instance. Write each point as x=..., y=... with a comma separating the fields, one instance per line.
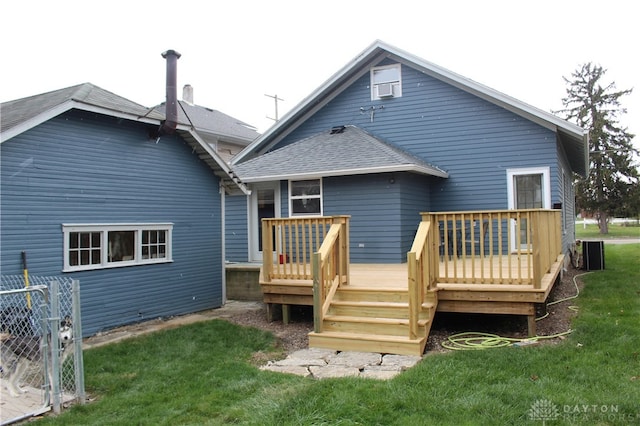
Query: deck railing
x=496, y=247
x=288, y=245
x=422, y=267
x=330, y=269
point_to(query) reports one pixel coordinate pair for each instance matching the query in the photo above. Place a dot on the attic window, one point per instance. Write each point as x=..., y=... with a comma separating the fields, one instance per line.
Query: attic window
x=386, y=82
x=336, y=129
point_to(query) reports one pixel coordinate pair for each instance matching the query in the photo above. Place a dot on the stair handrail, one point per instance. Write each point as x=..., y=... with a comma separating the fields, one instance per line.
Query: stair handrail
x=330, y=268
x=421, y=272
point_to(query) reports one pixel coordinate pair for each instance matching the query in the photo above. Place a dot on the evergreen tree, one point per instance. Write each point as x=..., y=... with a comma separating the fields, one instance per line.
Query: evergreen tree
x=611, y=186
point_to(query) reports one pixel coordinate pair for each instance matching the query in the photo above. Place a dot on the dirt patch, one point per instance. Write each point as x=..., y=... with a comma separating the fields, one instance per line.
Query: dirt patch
x=294, y=336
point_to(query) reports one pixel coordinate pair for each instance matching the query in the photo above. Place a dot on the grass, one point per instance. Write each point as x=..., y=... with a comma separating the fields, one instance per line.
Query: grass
x=202, y=374
x=615, y=231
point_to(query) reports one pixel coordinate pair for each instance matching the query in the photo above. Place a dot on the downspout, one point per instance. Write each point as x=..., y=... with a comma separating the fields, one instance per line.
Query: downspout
x=170, y=123
x=223, y=242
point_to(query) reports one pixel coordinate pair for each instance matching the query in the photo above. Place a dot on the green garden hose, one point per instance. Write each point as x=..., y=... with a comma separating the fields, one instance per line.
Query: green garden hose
x=476, y=341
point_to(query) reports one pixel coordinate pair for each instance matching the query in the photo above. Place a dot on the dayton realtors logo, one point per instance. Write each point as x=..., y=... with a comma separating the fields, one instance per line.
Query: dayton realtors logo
x=544, y=410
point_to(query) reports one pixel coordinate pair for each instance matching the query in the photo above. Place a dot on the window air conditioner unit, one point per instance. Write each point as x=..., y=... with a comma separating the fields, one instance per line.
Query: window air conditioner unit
x=385, y=90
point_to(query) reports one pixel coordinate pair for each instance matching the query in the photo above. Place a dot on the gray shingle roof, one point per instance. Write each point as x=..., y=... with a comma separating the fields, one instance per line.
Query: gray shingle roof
x=351, y=151
x=20, y=115
x=19, y=111
x=207, y=121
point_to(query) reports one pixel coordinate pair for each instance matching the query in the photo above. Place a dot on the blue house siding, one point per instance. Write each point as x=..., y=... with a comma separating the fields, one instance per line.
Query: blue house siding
x=87, y=168
x=384, y=213
x=475, y=141
x=566, y=196
x=237, y=228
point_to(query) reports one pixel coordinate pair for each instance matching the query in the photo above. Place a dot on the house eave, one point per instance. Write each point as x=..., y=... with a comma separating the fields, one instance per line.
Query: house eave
x=230, y=182
x=67, y=106
x=348, y=172
x=206, y=153
x=373, y=54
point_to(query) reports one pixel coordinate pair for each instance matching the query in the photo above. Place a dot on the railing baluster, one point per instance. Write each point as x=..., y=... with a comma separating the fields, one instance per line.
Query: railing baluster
x=507, y=239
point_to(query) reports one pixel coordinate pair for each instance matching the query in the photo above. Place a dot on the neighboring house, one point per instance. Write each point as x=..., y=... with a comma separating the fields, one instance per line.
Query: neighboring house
x=391, y=135
x=103, y=190
x=227, y=135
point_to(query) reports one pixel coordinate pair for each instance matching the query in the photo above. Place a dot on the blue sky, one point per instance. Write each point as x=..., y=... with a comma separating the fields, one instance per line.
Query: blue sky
x=234, y=53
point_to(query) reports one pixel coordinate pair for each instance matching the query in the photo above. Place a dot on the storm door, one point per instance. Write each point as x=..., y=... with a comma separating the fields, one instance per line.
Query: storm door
x=265, y=203
x=528, y=189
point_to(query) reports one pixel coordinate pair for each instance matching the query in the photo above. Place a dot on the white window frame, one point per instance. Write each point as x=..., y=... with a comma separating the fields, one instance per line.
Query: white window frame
x=546, y=184
x=104, y=229
x=396, y=84
x=546, y=193
x=315, y=196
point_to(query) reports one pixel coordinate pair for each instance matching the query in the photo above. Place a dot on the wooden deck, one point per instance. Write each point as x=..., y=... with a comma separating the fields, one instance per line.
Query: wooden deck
x=495, y=262
x=485, y=297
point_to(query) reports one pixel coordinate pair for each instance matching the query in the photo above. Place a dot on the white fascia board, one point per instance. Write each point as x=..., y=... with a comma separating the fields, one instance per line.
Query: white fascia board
x=512, y=104
x=67, y=106
x=351, y=172
x=312, y=97
x=37, y=120
x=214, y=155
x=114, y=113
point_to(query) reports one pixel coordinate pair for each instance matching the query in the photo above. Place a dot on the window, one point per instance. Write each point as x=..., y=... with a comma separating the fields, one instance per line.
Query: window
x=305, y=197
x=386, y=82
x=98, y=246
x=529, y=188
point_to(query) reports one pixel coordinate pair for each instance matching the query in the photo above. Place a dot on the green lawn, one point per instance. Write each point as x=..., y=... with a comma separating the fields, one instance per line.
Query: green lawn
x=202, y=374
x=615, y=231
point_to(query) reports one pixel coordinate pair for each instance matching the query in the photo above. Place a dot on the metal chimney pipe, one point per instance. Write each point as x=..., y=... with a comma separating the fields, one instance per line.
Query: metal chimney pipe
x=170, y=123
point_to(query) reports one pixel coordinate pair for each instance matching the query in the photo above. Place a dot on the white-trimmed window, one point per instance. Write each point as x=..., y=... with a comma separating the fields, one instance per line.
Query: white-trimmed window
x=99, y=246
x=529, y=188
x=386, y=82
x=305, y=197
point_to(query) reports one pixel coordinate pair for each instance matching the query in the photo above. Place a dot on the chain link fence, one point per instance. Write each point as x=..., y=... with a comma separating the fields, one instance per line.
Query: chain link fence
x=41, y=338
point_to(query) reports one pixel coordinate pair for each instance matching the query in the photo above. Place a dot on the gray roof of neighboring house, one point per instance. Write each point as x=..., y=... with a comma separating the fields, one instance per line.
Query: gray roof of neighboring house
x=212, y=123
x=341, y=151
x=573, y=138
x=20, y=115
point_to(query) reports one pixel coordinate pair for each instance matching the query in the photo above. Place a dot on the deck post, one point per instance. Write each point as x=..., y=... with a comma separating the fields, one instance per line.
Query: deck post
x=536, y=242
x=317, y=293
x=343, y=256
x=413, y=294
x=531, y=325
x=267, y=251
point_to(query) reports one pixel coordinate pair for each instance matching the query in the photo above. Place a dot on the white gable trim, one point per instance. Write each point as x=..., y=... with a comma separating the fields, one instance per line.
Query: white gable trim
x=375, y=53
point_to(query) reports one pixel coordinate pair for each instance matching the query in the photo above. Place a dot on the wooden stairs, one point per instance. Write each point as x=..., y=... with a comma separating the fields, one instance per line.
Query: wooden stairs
x=374, y=319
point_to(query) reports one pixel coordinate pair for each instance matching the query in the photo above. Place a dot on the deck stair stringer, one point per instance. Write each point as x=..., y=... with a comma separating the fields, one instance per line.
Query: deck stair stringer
x=374, y=319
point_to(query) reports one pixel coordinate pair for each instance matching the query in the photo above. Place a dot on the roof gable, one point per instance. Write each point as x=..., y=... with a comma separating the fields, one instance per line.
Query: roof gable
x=341, y=151
x=573, y=138
x=23, y=114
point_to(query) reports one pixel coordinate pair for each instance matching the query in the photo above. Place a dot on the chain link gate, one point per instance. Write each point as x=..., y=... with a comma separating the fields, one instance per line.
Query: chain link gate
x=41, y=363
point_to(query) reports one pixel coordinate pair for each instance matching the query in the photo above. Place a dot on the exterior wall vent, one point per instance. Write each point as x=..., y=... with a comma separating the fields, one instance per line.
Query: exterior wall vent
x=385, y=90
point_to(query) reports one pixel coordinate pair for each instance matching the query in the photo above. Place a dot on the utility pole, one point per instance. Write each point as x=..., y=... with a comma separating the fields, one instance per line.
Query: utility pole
x=275, y=100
